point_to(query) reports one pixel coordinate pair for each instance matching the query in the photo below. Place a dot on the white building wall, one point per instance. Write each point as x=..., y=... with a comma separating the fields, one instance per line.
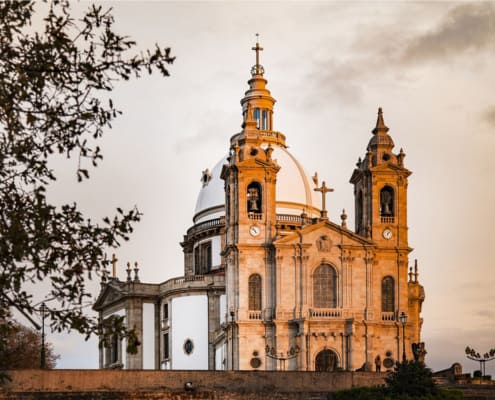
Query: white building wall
x=190, y=321
x=148, y=342
x=223, y=308
x=220, y=362
x=216, y=249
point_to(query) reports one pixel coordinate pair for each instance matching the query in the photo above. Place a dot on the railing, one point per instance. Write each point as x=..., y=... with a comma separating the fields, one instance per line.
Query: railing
x=273, y=134
x=388, y=220
x=296, y=219
x=206, y=225
x=255, y=315
x=325, y=313
x=388, y=316
x=256, y=216
x=183, y=279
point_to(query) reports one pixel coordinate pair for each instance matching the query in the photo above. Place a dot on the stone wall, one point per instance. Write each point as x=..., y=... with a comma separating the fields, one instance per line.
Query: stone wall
x=169, y=385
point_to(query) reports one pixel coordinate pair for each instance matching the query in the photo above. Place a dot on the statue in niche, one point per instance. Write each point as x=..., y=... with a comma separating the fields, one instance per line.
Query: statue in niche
x=386, y=202
x=253, y=196
x=419, y=352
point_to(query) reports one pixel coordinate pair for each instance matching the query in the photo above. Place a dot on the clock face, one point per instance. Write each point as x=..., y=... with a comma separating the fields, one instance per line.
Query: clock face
x=387, y=234
x=254, y=230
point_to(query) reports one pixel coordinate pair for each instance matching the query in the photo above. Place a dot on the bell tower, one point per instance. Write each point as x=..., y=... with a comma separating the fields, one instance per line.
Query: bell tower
x=380, y=190
x=250, y=221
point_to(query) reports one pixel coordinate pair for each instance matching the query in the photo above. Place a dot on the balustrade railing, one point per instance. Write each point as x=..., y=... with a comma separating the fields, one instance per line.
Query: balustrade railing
x=388, y=316
x=325, y=313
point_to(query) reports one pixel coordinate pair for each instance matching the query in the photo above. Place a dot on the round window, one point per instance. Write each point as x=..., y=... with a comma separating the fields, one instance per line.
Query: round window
x=255, y=362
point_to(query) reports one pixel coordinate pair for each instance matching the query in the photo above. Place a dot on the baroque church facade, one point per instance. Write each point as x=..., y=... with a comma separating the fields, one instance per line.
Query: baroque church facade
x=270, y=282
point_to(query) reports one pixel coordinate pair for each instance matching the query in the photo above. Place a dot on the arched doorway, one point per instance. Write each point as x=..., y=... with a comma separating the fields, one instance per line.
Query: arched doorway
x=326, y=361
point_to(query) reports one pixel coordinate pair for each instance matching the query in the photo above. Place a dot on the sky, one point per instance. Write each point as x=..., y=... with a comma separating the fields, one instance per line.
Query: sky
x=330, y=65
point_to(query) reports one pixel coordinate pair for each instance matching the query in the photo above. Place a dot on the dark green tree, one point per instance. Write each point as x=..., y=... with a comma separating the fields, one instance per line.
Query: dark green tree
x=55, y=86
x=411, y=378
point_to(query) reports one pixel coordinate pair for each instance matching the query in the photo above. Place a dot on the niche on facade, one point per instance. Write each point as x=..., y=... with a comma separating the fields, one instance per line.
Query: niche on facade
x=387, y=202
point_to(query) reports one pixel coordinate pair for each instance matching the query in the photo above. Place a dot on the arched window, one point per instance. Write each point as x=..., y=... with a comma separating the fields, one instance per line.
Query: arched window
x=359, y=212
x=255, y=292
x=388, y=294
x=387, y=202
x=254, y=198
x=325, y=287
x=326, y=361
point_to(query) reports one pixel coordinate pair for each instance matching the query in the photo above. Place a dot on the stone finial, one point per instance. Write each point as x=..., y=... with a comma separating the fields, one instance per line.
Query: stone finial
x=343, y=217
x=136, y=270
x=268, y=152
x=400, y=157
x=410, y=274
x=128, y=270
x=369, y=157
x=380, y=123
x=416, y=271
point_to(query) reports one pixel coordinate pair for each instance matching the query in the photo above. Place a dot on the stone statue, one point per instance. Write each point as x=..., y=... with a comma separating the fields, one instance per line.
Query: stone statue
x=419, y=352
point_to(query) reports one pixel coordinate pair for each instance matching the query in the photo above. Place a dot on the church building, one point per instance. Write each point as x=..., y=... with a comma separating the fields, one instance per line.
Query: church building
x=270, y=282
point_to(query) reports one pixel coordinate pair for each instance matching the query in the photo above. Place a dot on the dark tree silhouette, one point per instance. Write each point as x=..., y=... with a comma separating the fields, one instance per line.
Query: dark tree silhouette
x=20, y=348
x=55, y=87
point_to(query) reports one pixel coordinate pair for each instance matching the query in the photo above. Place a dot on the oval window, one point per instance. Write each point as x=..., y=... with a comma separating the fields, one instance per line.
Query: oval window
x=188, y=346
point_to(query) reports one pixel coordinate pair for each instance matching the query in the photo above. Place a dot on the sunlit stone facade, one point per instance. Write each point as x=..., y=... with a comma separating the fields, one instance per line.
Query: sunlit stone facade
x=270, y=282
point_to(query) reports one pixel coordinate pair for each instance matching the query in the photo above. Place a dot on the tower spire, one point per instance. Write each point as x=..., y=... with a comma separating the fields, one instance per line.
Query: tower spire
x=380, y=123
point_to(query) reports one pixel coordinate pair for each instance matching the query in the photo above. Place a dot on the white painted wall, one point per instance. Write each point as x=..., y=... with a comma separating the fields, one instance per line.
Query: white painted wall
x=216, y=249
x=190, y=321
x=220, y=362
x=148, y=342
x=223, y=308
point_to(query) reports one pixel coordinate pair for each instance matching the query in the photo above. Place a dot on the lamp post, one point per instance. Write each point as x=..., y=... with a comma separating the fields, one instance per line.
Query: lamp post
x=232, y=322
x=43, y=349
x=403, y=321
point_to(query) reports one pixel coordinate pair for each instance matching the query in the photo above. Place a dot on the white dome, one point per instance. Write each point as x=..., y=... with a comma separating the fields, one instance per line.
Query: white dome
x=294, y=192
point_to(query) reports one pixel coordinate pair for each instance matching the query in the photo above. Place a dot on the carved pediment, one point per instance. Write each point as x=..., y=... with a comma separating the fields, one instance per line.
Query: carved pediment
x=110, y=294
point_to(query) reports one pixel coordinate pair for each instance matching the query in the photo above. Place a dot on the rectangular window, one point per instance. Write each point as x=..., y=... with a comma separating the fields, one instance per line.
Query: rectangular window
x=166, y=348
x=264, y=120
x=165, y=311
x=257, y=117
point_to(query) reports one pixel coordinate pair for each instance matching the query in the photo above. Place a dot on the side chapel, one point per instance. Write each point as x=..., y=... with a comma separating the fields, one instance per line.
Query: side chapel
x=270, y=282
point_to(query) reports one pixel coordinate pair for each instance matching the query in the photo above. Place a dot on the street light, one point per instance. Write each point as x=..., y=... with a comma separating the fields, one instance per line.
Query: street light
x=403, y=321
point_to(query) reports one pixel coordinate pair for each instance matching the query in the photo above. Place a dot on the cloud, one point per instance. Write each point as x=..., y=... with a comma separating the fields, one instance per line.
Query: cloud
x=466, y=27
x=392, y=50
x=489, y=115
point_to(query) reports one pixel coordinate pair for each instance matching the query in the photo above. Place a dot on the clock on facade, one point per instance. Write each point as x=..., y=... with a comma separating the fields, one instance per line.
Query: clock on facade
x=387, y=234
x=254, y=230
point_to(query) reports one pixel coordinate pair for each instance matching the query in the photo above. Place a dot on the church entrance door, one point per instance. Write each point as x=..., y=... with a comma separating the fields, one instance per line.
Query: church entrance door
x=326, y=361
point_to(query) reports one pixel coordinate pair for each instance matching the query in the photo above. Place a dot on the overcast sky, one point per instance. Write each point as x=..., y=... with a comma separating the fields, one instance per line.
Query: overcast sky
x=330, y=65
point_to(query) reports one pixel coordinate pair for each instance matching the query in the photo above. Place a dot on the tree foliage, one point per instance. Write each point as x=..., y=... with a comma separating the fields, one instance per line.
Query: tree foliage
x=411, y=378
x=55, y=86
x=20, y=348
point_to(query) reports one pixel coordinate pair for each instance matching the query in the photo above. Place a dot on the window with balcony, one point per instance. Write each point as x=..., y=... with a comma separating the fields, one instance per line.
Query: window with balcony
x=255, y=292
x=325, y=287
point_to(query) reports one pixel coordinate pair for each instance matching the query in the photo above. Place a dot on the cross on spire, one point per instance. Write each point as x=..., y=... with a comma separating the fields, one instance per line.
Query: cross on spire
x=324, y=190
x=257, y=69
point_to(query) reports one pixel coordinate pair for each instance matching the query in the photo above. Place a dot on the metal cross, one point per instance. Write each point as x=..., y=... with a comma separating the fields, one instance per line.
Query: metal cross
x=257, y=49
x=324, y=190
